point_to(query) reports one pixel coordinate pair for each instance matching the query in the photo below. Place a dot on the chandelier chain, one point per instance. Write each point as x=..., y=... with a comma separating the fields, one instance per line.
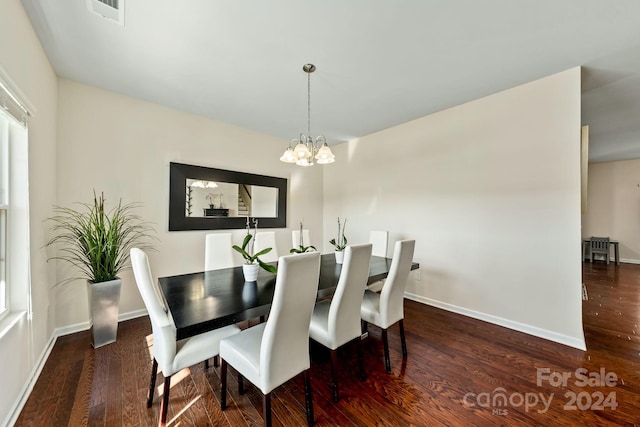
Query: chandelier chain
x=309, y=104
x=303, y=151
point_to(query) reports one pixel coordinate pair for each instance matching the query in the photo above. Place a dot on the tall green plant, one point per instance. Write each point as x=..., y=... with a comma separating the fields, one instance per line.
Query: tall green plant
x=97, y=241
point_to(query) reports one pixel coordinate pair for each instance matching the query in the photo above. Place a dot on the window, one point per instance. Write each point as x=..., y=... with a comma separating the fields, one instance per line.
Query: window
x=4, y=178
x=14, y=205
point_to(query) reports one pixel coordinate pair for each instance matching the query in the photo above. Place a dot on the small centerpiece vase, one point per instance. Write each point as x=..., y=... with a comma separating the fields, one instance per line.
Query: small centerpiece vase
x=250, y=272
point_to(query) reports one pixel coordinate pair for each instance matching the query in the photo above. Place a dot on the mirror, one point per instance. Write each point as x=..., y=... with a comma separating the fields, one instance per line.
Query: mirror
x=202, y=198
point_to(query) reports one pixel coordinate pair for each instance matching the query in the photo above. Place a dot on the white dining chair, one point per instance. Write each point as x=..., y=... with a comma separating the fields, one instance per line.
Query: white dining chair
x=271, y=353
x=266, y=239
x=380, y=241
x=169, y=354
x=217, y=251
x=387, y=307
x=337, y=322
x=295, y=238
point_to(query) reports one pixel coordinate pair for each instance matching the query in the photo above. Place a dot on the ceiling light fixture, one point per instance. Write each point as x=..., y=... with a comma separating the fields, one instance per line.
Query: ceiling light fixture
x=203, y=184
x=302, y=151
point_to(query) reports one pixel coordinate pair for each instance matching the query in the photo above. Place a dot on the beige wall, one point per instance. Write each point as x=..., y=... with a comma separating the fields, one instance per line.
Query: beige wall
x=24, y=61
x=613, y=205
x=490, y=190
x=123, y=147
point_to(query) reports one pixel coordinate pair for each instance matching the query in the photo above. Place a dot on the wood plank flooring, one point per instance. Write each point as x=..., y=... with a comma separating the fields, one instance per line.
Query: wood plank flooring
x=460, y=371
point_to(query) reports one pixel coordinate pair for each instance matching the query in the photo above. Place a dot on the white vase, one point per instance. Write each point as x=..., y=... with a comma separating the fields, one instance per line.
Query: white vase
x=250, y=272
x=339, y=257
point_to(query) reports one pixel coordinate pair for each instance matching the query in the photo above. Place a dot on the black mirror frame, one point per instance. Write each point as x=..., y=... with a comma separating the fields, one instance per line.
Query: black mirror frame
x=178, y=174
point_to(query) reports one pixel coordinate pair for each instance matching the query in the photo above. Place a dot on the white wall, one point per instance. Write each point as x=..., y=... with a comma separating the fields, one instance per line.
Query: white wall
x=613, y=205
x=23, y=59
x=123, y=147
x=490, y=190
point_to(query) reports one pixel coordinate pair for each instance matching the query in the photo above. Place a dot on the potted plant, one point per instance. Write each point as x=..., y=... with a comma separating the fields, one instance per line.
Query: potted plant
x=97, y=242
x=252, y=260
x=340, y=242
x=301, y=248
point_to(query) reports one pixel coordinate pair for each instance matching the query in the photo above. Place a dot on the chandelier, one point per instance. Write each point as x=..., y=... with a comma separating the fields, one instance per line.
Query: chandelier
x=303, y=150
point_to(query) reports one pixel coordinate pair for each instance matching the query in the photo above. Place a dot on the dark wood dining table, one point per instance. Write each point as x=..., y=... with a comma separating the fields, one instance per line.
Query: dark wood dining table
x=207, y=300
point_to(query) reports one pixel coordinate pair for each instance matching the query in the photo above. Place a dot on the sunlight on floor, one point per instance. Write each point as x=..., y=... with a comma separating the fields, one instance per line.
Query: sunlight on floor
x=175, y=419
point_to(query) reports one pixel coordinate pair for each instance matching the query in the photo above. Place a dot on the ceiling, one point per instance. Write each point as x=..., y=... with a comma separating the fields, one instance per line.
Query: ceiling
x=379, y=62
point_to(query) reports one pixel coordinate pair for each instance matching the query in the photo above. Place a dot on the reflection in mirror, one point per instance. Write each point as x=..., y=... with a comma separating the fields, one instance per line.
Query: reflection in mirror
x=202, y=198
x=224, y=199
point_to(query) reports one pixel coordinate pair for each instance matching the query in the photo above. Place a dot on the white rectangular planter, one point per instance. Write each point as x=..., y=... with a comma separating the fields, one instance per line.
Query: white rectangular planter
x=104, y=304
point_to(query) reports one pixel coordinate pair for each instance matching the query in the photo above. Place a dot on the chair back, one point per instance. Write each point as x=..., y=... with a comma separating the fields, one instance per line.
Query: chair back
x=295, y=238
x=392, y=294
x=217, y=251
x=266, y=239
x=380, y=241
x=344, y=313
x=284, y=351
x=600, y=244
x=164, y=330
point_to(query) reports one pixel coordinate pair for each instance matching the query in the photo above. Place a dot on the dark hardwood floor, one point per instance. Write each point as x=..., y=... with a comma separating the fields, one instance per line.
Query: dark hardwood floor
x=460, y=371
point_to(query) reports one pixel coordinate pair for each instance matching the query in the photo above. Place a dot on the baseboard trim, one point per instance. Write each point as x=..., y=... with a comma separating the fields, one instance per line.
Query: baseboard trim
x=14, y=413
x=83, y=326
x=630, y=261
x=72, y=329
x=132, y=315
x=510, y=324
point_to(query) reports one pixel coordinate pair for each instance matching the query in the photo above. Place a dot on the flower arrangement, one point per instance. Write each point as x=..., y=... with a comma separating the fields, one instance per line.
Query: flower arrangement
x=301, y=248
x=211, y=198
x=341, y=242
x=246, y=250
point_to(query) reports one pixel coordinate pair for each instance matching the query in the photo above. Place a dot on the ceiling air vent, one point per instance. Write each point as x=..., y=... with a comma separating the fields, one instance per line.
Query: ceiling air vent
x=113, y=10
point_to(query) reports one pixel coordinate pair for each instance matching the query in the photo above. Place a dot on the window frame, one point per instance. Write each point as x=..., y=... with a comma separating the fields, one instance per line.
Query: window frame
x=4, y=214
x=15, y=110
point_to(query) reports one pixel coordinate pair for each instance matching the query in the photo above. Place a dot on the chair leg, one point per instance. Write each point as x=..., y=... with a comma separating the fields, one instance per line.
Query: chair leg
x=223, y=389
x=360, y=360
x=266, y=409
x=402, y=338
x=590, y=256
x=334, y=376
x=206, y=364
x=308, y=397
x=385, y=343
x=152, y=383
x=365, y=327
x=216, y=360
x=165, y=401
x=240, y=384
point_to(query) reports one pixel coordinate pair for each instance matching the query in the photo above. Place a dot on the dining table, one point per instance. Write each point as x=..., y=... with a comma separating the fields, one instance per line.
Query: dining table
x=206, y=300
